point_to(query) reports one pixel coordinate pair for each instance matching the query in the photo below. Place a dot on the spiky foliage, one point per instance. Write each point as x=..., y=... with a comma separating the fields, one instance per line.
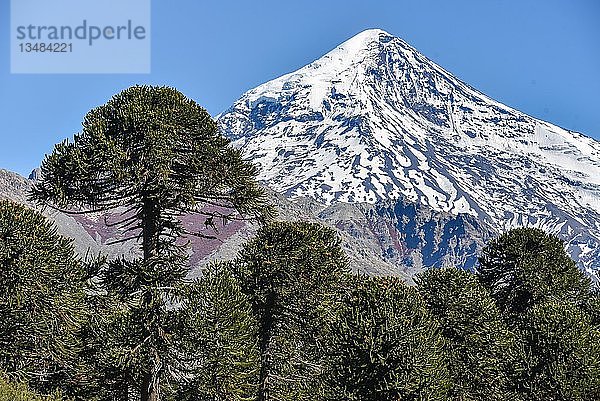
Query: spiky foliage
x=525, y=267
x=41, y=307
x=218, y=342
x=562, y=354
x=290, y=272
x=20, y=392
x=480, y=350
x=129, y=331
x=591, y=306
x=155, y=152
x=110, y=336
x=152, y=154
x=384, y=345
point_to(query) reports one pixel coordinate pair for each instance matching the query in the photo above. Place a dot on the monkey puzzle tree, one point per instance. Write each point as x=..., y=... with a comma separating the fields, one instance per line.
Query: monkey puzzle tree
x=525, y=267
x=562, y=349
x=153, y=155
x=290, y=272
x=20, y=392
x=42, y=302
x=479, y=348
x=384, y=345
x=591, y=306
x=219, y=341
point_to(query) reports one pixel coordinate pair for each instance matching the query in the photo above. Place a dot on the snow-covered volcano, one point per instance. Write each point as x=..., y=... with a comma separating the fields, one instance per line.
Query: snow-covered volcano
x=375, y=120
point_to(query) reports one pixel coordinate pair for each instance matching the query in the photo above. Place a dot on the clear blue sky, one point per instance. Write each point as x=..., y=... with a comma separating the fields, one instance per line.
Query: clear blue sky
x=539, y=56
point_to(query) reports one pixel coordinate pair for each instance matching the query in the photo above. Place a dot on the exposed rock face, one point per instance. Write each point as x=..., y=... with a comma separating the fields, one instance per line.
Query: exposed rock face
x=411, y=236
x=89, y=233
x=395, y=238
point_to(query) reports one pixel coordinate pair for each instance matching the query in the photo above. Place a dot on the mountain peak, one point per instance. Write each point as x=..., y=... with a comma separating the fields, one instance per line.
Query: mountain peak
x=366, y=38
x=336, y=71
x=372, y=32
x=374, y=120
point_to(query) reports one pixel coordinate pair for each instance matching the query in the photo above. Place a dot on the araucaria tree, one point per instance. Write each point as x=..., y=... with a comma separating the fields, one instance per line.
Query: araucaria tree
x=525, y=267
x=480, y=350
x=42, y=302
x=563, y=354
x=218, y=339
x=384, y=345
x=20, y=392
x=291, y=273
x=552, y=309
x=152, y=155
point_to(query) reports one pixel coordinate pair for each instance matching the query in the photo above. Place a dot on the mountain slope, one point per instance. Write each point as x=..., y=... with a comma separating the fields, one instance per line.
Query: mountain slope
x=398, y=238
x=374, y=120
x=89, y=234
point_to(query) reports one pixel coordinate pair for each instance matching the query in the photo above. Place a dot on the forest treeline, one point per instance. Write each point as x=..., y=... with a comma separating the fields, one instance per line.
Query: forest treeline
x=286, y=319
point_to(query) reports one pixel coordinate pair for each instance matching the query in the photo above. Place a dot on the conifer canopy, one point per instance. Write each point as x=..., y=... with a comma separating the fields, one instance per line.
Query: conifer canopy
x=42, y=302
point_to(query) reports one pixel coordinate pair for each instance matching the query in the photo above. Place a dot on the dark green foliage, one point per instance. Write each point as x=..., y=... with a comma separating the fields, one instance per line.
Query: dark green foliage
x=284, y=321
x=553, y=310
x=525, y=267
x=478, y=346
x=155, y=155
x=563, y=354
x=291, y=272
x=20, y=392
x=217, y=340
x=109, y=336
x=591, y=306
x=42, y=302
x=384, y=346
x=154, y=151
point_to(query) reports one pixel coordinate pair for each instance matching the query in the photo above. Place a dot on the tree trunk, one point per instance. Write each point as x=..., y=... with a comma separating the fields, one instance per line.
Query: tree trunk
x=266, y=328
x=149, y=391
x=150, y=231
